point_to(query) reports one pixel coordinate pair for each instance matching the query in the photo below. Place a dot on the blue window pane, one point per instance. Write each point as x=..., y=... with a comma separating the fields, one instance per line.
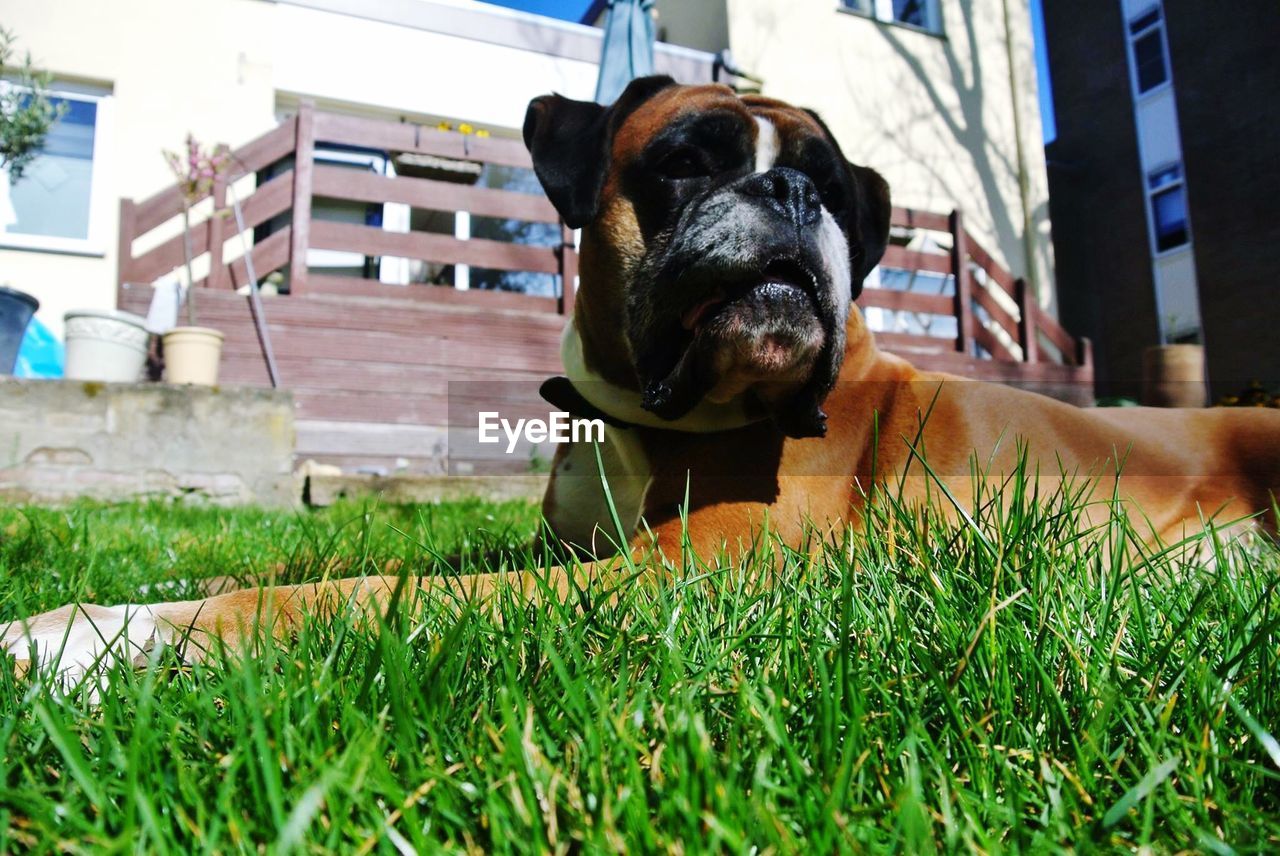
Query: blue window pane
x=1169, y=209
x=915, y=12
x=1140, y=23
x=1148, y=60
x=52, y=197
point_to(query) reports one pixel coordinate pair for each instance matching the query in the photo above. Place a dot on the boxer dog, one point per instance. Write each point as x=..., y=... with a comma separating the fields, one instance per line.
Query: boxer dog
x=724, y=240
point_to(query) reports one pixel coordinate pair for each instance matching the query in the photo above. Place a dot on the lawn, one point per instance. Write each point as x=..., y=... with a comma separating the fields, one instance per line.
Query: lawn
x=1007, y=683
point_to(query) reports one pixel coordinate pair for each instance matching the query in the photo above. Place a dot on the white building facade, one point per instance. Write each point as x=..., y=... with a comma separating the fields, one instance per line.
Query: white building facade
x=939, y=96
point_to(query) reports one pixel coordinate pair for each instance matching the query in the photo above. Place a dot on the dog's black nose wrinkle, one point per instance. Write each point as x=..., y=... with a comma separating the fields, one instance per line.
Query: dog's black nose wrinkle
x=657, y=396
x=789, y=192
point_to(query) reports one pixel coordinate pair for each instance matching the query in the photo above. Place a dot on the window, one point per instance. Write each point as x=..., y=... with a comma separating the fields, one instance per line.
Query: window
x=1169, y=226
x=328, y=210
x=922, y=14
x=55, y=205
x=913, y=12
x=1146, y=41
x=514, y=231
x=906, y=321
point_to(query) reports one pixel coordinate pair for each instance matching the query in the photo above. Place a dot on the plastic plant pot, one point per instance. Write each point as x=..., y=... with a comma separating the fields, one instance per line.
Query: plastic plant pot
x=105, y=345
x=191, y=355
x=16, y=309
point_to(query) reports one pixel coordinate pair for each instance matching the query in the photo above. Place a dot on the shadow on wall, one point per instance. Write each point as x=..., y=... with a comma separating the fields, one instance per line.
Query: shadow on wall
x=945, y=96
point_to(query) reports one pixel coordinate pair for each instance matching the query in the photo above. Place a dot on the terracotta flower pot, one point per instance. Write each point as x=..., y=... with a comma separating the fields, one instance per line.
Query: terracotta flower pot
x=1173, y=376
x=191, y=355
x=106, y=345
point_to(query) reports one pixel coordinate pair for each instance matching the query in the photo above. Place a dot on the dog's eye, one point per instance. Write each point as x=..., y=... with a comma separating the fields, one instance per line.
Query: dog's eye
x=685, y=162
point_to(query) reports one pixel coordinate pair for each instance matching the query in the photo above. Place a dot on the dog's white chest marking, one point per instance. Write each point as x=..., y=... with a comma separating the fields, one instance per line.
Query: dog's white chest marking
x=576, y=506
x=766, y=145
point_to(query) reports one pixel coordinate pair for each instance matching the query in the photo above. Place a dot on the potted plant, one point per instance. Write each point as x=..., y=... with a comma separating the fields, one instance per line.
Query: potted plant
x=192, y=352
x=101, y=344
x=26, y=115
x=26, y=111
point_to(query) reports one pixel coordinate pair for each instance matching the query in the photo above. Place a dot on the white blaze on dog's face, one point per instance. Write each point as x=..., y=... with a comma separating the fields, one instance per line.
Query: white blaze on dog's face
x=766, y=145
x=746, y=233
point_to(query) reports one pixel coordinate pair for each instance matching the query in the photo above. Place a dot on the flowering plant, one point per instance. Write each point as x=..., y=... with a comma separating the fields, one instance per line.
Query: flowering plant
x=198, y=169
x=1254, y=395
x=196, y=172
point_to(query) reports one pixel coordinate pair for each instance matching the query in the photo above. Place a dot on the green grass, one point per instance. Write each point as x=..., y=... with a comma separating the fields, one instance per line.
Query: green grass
x=1007, y=684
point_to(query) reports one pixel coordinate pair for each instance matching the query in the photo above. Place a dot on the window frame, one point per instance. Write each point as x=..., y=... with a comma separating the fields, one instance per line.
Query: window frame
x=881, y=11
x=1131, y=39
x=95, y=243
x=1151, y=193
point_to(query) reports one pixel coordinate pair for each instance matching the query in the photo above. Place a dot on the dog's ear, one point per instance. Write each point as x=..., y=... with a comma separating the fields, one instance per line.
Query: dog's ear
x=570, y=141
x=874, y=211
x=871, y=213
x=566, y=139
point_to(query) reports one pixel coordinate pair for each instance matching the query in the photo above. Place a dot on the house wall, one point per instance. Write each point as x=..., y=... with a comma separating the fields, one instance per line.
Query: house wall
x=219, y=69
x=205, y=68
x=1099, y=209
x=1226, y=78
x=935, y=115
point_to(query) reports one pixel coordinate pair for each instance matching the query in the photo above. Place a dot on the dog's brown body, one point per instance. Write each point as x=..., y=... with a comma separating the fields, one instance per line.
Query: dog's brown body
x=1177, y=468
x=776, y=406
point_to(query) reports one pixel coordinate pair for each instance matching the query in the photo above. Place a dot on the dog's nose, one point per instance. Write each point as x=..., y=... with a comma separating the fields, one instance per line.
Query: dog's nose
x=789, y=192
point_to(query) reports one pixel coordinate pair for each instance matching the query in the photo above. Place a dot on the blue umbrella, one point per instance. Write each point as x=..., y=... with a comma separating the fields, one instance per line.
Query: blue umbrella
x=627, y=52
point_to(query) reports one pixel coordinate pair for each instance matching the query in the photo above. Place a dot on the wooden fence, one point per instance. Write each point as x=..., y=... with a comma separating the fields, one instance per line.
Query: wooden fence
x=369, y=361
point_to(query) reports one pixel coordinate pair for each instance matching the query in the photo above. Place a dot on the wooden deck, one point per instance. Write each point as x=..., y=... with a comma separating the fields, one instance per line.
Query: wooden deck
x=370, y=363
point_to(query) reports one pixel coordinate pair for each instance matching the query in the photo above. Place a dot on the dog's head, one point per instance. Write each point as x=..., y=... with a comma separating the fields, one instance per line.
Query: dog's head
x=726, y=236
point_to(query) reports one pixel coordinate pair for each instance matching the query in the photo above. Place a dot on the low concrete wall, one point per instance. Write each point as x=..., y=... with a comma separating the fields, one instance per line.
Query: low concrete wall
x=322, y=490
x=64, y=439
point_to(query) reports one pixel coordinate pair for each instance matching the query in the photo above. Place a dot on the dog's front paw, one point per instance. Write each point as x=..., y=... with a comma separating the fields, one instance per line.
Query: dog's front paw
x=81, y=638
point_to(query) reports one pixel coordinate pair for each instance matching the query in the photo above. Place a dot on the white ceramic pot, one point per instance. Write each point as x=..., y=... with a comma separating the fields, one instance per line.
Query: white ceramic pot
x=105, y=344
x=191, y=355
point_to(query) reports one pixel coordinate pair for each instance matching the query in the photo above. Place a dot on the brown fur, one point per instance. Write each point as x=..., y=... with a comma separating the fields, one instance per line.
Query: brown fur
x=1177, y=466
x=612, y=246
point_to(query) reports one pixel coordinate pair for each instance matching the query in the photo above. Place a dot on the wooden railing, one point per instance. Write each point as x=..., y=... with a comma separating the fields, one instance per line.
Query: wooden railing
x=1010, y=327
x=997, y=318
x=294, y=190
